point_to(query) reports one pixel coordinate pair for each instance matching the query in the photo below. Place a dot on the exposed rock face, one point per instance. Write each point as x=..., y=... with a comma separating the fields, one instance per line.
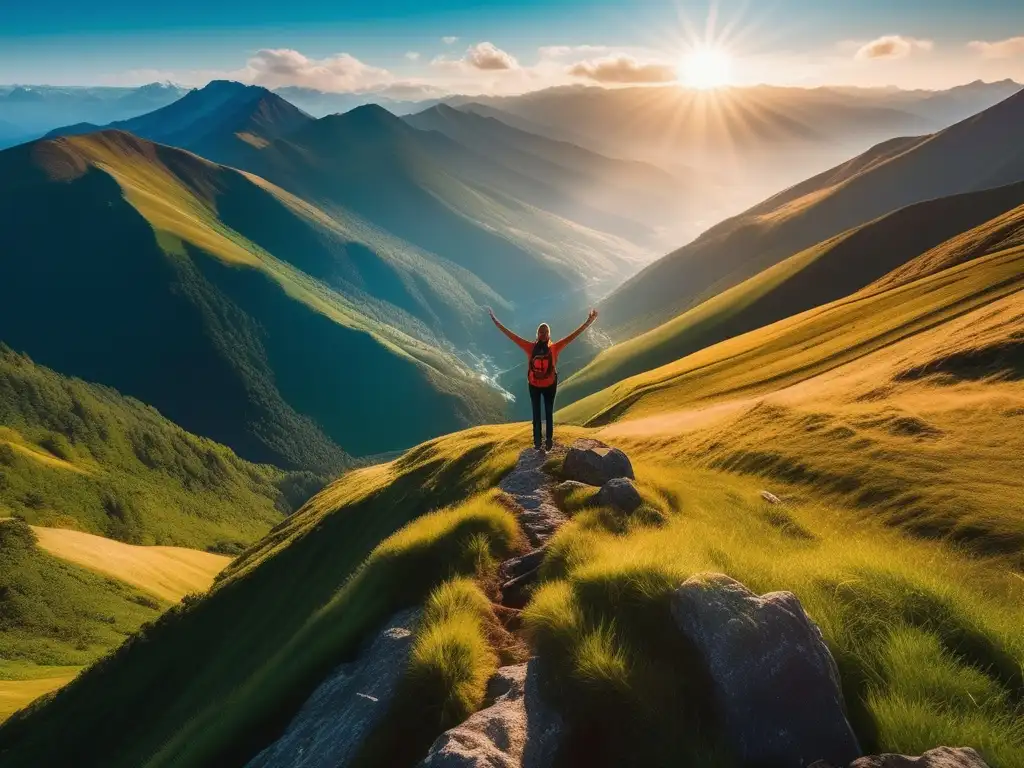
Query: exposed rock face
x=594, y=463
x=517, y=731
x=620, y=494
x=528, y=491
x=333, y=723
x=776, y=685
x=940, y=757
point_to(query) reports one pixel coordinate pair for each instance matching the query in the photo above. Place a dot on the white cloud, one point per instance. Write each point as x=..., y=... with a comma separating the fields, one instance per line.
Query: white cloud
x=412, y=55
x=489, y=56
x=623, y=68
x=892, y=47
x=1000, y=49
x=276, y=67
x=450, y=40
x=482, y=56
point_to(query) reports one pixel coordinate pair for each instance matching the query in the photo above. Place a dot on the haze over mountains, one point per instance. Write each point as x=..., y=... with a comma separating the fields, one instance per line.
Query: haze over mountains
x=29, y=111
x=762, y=244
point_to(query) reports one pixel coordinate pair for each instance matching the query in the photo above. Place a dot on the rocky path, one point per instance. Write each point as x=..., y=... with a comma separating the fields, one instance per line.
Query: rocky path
x=529, y=492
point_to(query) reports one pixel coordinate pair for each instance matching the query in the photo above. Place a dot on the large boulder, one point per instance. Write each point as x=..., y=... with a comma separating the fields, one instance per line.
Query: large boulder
x=940, y=757
x=594, y=463
x=620, y=494
x=517, y=731
x=775, y=684
x=334, y=722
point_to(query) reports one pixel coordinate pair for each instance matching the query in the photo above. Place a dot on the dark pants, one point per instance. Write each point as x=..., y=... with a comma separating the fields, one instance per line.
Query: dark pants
x=548, y=393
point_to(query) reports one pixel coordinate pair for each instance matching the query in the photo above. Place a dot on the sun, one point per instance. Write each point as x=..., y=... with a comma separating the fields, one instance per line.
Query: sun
x=706, y=68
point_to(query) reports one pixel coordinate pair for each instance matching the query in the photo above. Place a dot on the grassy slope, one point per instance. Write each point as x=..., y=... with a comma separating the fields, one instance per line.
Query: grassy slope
x=279, y=618
x=56, y=617
x=78, y=455
x=876, y=419
x=917, y=625
x=884, y=252
x=237, y=308
x=976, y=154
x=858, y=371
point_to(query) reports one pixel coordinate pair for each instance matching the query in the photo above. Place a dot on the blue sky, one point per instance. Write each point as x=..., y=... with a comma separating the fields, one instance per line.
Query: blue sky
x=812, y=41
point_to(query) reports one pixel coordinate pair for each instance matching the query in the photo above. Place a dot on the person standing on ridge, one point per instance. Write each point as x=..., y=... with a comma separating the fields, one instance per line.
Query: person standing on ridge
x=542, y=374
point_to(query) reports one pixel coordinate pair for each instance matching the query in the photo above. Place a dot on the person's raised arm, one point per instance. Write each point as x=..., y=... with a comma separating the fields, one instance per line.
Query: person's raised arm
x=518, y=340
x=572, y=336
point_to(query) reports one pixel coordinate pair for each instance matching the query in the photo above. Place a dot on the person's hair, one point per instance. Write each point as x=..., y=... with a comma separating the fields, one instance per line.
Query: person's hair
x=544, y=326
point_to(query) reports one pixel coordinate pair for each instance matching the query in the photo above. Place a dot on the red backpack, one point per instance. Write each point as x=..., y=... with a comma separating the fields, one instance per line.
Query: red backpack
x=542, y=364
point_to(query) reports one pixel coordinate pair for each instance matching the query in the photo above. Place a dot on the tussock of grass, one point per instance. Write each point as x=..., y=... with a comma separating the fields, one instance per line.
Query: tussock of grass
x=450, y=664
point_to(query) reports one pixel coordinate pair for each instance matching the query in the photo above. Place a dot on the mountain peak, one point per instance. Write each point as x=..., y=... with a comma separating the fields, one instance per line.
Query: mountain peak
x=229, y=87
x=370, y=112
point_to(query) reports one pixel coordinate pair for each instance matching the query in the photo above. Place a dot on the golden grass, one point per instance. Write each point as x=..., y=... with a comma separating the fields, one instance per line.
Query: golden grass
x=812, y=343
x=15, y=694
x=170, y=573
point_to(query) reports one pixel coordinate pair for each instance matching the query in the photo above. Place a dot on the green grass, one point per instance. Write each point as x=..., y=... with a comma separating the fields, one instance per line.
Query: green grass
x=926, y=640
x=918, y=626
x=54, y=614
x=82, y=456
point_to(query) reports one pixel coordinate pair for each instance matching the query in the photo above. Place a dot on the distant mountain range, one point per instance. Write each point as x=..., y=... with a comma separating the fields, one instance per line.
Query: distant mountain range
x=750, y=140
x=31, y=111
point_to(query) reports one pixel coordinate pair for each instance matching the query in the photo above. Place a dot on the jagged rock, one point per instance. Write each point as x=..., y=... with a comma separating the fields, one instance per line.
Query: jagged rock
x=594, y=463
x=333, y=723
x=517, y=566
x=515, y=593
x=517, y=731
x=770, y=497
x=940, y=757
x=775, y=684
x=620, y=494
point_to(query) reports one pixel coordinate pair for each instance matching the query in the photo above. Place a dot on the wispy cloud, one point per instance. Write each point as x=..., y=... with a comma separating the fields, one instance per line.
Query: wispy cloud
x=893, y=47
x=412, y=55
x=563, y=51
x=1000, y=49
x=449, y=40
x=623, y=68
x=275, y=67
